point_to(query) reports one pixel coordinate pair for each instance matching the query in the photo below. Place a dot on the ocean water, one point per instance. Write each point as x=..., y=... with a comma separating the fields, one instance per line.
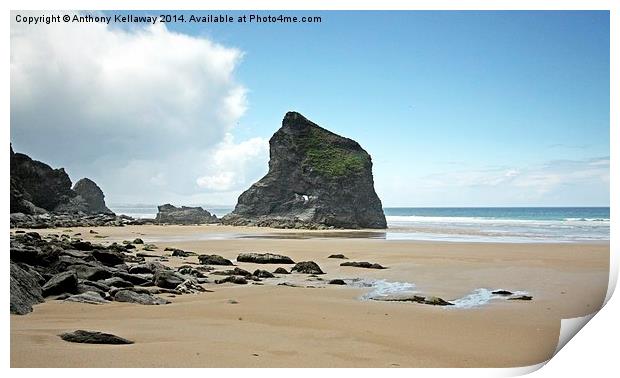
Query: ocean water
x=480, y=224
x=502, y=224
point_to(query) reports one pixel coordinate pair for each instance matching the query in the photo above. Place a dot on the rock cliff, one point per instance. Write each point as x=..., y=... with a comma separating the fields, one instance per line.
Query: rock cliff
x=316, y=179
x=37, y=188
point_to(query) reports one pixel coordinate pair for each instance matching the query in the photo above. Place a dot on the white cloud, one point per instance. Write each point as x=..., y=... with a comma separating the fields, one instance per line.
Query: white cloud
x=146, y=112
x=232, y=164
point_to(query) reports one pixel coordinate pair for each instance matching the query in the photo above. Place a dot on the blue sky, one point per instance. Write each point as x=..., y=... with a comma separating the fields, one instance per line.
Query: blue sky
x=456, y=108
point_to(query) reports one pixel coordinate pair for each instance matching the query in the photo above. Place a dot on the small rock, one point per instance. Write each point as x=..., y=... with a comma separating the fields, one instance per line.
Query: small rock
x=502, y=292
x=521, y=298
x=337, y=256
x=337, y=281
x=362, y=264
x=93, y=337
x=138, y=241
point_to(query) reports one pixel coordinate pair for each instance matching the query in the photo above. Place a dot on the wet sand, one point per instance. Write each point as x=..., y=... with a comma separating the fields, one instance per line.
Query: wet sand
x=280, y=326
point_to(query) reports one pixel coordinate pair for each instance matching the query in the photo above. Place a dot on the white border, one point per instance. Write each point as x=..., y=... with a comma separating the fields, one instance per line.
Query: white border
x=593, y=352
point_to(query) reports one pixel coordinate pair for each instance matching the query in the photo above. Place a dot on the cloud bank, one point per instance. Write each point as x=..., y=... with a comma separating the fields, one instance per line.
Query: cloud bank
x=146, y=112
x=553, y=183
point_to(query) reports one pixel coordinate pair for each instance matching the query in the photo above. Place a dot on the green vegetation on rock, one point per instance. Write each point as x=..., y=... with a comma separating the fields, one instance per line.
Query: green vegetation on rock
x=329, y=159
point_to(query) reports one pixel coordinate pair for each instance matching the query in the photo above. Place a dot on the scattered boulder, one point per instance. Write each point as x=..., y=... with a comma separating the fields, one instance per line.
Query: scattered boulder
x=65, y=282
x=264, y=258
x=184, y=215
x=140, y=298
x=337, y=281
x=362, y=264
x=138, y=241
x=213, y=260
x=281, y=270
x=316, y=179
x=25, y=290
x=307, y=267
x=93, y=337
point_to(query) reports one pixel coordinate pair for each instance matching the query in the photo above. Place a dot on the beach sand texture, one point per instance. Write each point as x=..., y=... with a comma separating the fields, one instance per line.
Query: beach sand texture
x=280, y=326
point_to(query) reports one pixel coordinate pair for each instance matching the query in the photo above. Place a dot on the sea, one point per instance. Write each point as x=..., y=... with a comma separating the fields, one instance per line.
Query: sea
x=466, y=224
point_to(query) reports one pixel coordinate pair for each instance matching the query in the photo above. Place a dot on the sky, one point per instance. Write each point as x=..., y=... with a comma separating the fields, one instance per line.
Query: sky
x=455, y=108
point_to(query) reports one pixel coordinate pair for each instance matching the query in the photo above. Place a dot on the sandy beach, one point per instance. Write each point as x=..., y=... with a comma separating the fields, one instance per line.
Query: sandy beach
x=328, y=325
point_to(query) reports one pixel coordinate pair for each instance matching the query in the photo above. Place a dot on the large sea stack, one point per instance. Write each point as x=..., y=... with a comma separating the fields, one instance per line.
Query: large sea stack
x=316, y=179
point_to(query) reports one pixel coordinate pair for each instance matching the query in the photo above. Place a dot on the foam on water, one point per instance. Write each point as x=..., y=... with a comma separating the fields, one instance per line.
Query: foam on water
x=383, y=288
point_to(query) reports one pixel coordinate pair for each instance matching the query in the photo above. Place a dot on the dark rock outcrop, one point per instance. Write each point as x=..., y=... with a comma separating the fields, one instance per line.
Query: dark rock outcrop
x=35, y=185
x=264, y=258
x=92, y=195
x=281, y=270
x=36, y=189
x=184, y=215
x=93, y=337
x=337, y=281
x=25, y=290
x=316, y=180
